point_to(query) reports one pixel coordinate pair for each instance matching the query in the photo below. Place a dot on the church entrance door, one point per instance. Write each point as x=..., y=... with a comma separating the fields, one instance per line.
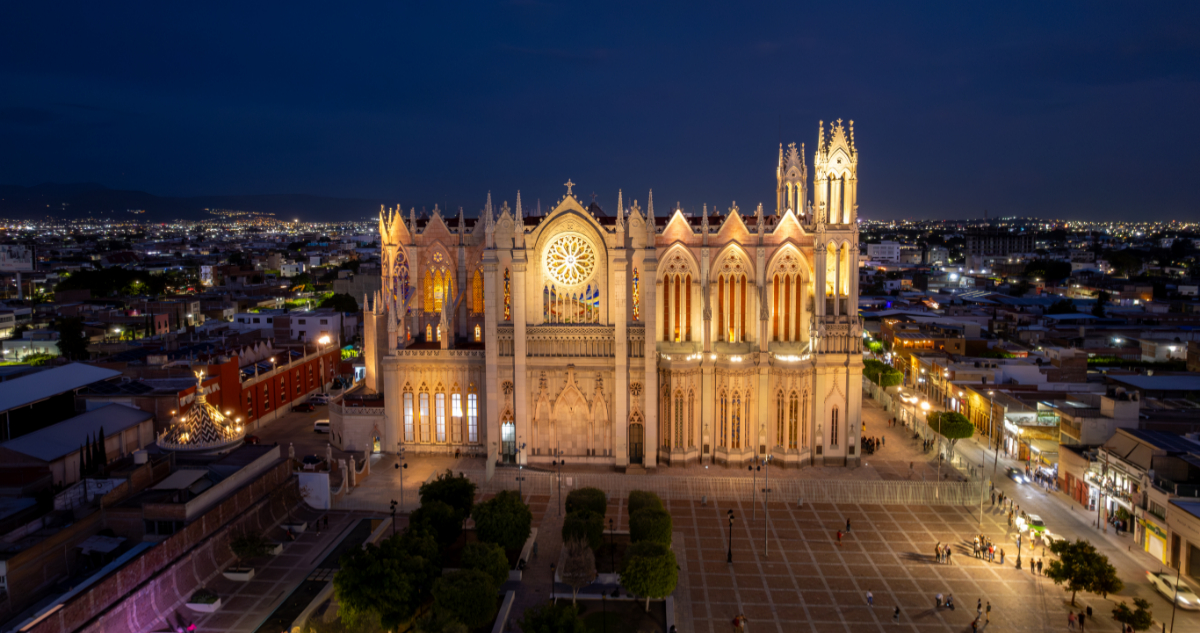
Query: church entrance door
x=508, y=442
x=637, y=442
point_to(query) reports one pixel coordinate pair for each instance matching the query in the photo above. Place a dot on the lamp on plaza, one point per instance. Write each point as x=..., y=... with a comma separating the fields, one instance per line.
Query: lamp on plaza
x=754, y=467
x=729, y=557
x=393, y=517
x=766, y=491
x=401, y=466
x=559, y=462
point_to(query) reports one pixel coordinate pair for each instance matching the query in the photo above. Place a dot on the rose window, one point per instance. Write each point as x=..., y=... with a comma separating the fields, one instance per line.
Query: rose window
x=570, y=260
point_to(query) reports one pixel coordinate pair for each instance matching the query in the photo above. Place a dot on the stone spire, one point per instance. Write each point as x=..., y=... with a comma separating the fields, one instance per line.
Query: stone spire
x=489, y=233
x=758, y=218
x=520, y=220
x=650, y=220
x=704, y=225
x=462, y=226
x=412, y=223
x=620, y=210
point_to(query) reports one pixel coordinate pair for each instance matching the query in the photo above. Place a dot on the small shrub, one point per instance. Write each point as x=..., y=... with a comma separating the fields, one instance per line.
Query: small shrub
x=249, y=545
x=584, y=525
x=467, y=595
x=488, y=558
x=650, y=524
x=203, y=596
x=639, y=499
x=557, y=617
x=592, y=499
x=504, y=520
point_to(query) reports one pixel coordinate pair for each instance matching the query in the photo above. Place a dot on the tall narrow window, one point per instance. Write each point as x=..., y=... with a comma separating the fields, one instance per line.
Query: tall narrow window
x=779, y=419
x=724, y=420
x=637, y=297
x=439, y=291
x=507, y=297
x=687, y=293
x=478, y=333
x=439, y=414
x=736, y=439
x=833, y=427
x=678, y=325
x=424, y=401
x=678, y=419
x=742, y=322
x=439, y=335
x=428, y=333
x=408, y=417
x=691, y=419
x=796, y=312
x=775, y=308
x=721, y=308
x=793, y=420
x=456, y=415
x=804, y=420
x=667, y=338
x=428, y=291
x=477, y=293
x=787, y=297
x=472, y=418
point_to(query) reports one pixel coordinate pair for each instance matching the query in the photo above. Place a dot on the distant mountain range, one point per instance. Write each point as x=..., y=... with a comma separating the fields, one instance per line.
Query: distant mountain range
x=77, y=201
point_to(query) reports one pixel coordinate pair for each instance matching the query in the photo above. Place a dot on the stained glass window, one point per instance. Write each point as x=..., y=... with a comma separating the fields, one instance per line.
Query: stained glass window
x=507, y=297
x=737, y=420
x=408, y=416
x=477, y=293
x=637, y=297
x=428, y=291
x=570, y=260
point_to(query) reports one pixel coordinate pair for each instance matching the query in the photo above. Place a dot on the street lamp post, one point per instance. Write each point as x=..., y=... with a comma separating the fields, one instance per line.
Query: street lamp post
x=520, y=471
x=1019, y=540
x=766, y=510
x=992, y=424
x=754, y=467
x=393, y=517
x=559, y=462
x=729, y=557
x=401, y=466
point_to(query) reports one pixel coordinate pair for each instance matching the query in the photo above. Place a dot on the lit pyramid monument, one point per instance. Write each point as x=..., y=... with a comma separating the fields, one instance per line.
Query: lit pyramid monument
x=203, y=429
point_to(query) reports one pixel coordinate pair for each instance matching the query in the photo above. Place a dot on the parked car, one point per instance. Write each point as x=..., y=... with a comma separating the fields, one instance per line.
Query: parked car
x=321, y=426
x=305, y=407
x=319, y=398
x=1184, y=597
x=312, y=462
x=1016, y=475
x=251, y=439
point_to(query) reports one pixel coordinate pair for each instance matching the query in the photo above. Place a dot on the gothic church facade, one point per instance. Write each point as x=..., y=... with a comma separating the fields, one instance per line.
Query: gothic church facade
x=630, y=338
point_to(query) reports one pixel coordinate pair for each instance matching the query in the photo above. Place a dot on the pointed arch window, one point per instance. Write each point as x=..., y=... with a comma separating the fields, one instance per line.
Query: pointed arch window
x=804, y=420
x=424, y=411
x=428, y=333
x=691, y=420
x=833, y=427
x=779, y=436
x=736, y=425
x=507, y=296
x=679, y=419
x=477, y=293
x=723, y=440
x=472, y=415
x=439, y=414
x=637, y=297
x=793, y=420
x=456, y=415
x=478, y=333
x=409, y=429
x=428, y=291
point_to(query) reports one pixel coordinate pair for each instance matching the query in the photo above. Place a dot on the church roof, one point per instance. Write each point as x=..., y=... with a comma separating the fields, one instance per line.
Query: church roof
x=203, y=428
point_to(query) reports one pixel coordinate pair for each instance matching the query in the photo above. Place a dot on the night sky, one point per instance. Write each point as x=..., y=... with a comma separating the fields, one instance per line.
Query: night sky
x=1070, y=110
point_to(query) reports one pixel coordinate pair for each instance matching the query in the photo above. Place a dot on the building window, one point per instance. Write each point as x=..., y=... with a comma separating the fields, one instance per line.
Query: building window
x=428, y=333
x=472, y=418
x=677, y=308
x=833, y=427
x=456, y=413
x=575, y=307
x=724, y=420
x=691, y=420
x=408, y=416
x=324, y=321
x=779, y=437
x=266, y=397
x=478, y=333
x=424, y=416
x=439, y=412
x=477, y=293
x=793, y=420
x=637, y=297
x=250, y=401
x=256, y=319
x=283, y=390
x=302, y=321
x=736, y=426
x=678, y=419
x=507, y=297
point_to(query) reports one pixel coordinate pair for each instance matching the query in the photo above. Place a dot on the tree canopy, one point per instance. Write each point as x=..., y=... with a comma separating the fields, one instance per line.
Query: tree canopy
x=555, y=617
x=649, y=570
x=439, y=519
x=586, y=525
x=488, y=558
x=951, y=425
x=504, y=520
x=72, y=341
x=1048, y=270
x=1139, y=618
x=340, y=302
x=650, y=524
x=386, y=582
x=639, y=499
x=592, y=499
x=1081, y=568
x=1062, y=306
x=456, y=491
x=467, y=595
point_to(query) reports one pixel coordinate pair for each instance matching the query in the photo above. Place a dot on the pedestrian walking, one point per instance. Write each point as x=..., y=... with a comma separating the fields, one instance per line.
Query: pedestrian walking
x=847, y=526
x=937, y=552
x=1071, y=620
x=1039, y=563
x=937, y=601
x=739, y=623
x=987, y=614
x=978, y=608
x=975, y=625
x=896, y=615
x=1001, y=555
x=839, y=537
x=947, y=553
x=1082, y=621
x=870, y=599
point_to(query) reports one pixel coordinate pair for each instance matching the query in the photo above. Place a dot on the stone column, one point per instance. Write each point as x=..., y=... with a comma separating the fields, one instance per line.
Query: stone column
x=520, y=384
x=393, y=405
x=650, y=387
x=417, y=305
x=464, y=286
x=490, y=402
x=618, y=293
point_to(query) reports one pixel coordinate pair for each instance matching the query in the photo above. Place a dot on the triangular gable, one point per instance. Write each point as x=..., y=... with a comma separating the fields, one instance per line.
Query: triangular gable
x=733, y=228
x=678, y=228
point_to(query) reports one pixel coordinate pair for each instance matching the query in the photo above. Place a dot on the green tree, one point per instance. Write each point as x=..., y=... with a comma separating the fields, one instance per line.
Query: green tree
x=1062, y=306
x=1101, y=301
x=504, y=520
x=1081, y=568
x=639, y=499
x=439, y=623
x=650, y=524
x=386, y=583
x=1140, y=618
x=952, y=425
x=72, y=341
x=579, y=568
x=488, y=558
x=555, y=617
x=586, y=525
x=339, y=302
x=592, y=499
x=248, y=544
x=467, y=595
x=649, y=570
x=456, y=491
x=440, y=520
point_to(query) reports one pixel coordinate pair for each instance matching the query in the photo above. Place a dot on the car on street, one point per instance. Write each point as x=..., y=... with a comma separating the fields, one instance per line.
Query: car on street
x=251, y=439
x=1035, y=523
x=1016, y=475
x=1184, y=597
x=312, y=462
x=321, y=426
x=305, y=407
x=319, y=398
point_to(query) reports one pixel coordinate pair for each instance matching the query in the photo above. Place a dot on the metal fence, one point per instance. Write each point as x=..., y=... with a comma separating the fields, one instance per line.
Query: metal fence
x=733, y=488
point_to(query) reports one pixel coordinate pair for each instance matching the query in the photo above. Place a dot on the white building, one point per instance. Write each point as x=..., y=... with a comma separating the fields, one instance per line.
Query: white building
x=884, y=252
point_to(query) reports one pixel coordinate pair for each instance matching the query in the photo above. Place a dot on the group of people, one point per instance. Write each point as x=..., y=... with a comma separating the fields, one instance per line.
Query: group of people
x=870, y=444
x=986, y=550
x=941, y=553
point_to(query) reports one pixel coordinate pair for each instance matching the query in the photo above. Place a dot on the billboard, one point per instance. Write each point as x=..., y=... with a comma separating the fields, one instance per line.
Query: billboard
x=16, y=258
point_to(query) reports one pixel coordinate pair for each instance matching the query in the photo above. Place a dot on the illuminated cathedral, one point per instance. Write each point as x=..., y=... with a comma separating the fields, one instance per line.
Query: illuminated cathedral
x=626, y=337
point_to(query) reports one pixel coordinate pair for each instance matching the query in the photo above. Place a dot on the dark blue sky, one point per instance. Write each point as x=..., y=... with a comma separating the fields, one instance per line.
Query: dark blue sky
x=1079, y=110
